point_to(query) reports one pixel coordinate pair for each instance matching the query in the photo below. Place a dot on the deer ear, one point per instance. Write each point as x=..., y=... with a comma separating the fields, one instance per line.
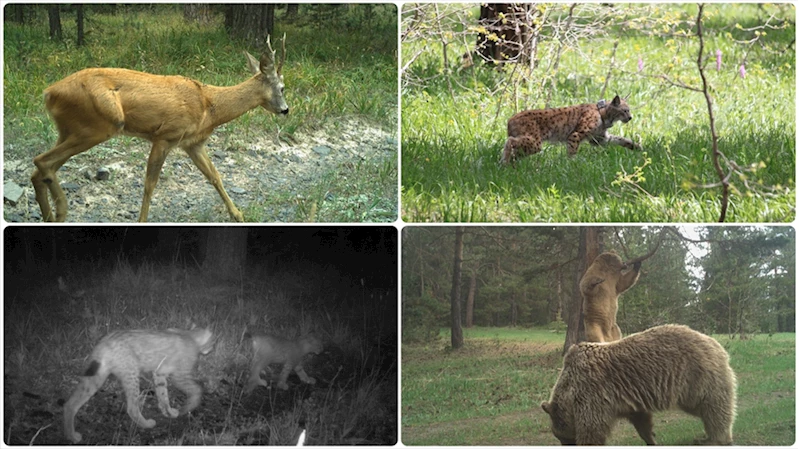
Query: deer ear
x=252, y=63
x=267, y=64
x=616, y=101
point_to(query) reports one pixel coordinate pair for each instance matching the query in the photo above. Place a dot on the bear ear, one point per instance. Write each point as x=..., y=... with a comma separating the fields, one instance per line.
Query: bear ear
x=547, y=407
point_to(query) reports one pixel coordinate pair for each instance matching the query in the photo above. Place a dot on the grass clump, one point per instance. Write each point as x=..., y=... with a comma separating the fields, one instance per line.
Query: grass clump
x=489, y=392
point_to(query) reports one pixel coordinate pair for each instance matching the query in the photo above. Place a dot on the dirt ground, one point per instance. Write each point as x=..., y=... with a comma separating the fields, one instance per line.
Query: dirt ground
x=268, y=174
x=225, y=417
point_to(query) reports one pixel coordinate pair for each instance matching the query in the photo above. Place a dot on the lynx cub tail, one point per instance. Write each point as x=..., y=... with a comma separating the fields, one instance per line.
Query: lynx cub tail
x=571, y=124
x=125, y=354
x=269, y=349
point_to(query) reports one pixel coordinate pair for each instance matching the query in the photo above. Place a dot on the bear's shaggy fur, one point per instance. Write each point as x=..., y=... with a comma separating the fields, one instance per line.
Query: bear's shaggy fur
x=601, y=286
x=660, y=368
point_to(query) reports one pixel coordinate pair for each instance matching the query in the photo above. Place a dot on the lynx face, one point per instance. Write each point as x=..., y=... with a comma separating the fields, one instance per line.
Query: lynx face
x=170, y=353
x=571, y=124
x=269, y=349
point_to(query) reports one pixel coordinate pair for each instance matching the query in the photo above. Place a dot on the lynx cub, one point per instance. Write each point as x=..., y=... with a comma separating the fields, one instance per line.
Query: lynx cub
x=269, y=349
x=127, y=353
x=571, y=124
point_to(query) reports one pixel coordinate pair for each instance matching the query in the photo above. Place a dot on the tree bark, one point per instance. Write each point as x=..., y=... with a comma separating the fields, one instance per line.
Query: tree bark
x=470, y=299
x=197, y=12
x=455, y=295
x=250, y=22
x=79, y=22
x=508, y=22
x=54, y=16
x=589, y=248
x=292, y=11
x=225, y=252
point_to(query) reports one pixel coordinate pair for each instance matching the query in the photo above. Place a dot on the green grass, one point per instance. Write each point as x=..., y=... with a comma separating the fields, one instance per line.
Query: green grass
x=451, y=143
x=489, y=392
x=327, y=82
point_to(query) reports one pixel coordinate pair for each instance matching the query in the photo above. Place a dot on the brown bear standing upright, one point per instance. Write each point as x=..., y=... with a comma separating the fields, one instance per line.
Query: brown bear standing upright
x=660, y=368
x=601, y=286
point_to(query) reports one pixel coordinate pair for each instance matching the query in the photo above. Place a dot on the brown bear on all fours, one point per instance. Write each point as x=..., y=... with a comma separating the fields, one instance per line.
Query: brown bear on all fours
x=600, y=287
x=657, y=369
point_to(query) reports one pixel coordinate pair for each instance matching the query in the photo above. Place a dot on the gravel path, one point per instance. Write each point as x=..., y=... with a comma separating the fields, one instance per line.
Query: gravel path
x=259, y=169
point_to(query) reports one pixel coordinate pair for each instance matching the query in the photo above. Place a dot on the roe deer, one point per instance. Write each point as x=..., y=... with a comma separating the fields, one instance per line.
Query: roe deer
x=93, y=105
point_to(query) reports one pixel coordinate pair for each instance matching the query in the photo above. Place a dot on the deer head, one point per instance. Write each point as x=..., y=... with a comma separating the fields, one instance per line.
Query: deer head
x=271, y=77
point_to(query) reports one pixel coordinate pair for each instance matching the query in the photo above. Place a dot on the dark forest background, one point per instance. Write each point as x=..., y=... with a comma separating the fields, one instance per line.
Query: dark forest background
x=735, y=280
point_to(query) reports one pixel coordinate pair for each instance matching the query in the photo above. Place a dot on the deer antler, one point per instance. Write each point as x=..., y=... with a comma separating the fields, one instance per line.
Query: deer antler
x=272, y=53
x=282, y=56
x=269, y=52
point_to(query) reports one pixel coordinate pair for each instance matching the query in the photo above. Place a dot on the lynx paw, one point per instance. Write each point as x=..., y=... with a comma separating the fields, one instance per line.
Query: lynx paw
x=148, y=423
x=283, y=385
x=311, y=380
x=75, y=437
x=171, y=413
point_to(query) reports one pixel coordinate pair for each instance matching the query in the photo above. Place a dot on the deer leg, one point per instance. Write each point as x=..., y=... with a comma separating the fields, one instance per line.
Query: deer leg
x=154, y=163
x=203, y=162
x=44, y=176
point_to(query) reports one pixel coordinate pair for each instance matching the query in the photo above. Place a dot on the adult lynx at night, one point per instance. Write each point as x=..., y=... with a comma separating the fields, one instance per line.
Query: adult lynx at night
x=125, y=354
x=571, y=124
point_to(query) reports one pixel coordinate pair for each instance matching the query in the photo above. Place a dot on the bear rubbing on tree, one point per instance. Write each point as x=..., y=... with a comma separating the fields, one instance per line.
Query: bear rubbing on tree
x=601, y=286
x=657, y=369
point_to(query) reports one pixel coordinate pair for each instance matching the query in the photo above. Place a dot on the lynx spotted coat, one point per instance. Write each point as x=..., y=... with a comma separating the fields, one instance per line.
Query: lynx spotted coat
x=125, y=354
x=571, y=124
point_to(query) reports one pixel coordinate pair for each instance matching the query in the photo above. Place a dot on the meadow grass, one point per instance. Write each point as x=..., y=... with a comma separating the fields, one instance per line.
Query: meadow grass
x=489, y=392
x=326, y=83
x=451, y=140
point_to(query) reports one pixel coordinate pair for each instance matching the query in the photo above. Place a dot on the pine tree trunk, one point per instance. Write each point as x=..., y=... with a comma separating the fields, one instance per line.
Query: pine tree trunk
x=455, y=295
x=589, y=248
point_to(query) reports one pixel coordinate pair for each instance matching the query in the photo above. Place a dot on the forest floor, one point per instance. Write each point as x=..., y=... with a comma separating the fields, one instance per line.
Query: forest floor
x=343, y=170
x=495, y=384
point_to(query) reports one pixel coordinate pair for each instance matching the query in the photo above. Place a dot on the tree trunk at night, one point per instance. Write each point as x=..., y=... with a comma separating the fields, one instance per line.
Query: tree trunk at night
x=225, y=252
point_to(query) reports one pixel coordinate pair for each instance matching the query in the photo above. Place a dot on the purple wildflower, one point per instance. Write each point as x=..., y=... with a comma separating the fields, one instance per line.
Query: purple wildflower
x=718, y=60
x=640, y=65
x=742, y=71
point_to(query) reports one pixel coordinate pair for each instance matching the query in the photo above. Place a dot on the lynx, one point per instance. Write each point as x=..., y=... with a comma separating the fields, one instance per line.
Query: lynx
x=125, y=354
x=571, y=124
x=269, y=349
